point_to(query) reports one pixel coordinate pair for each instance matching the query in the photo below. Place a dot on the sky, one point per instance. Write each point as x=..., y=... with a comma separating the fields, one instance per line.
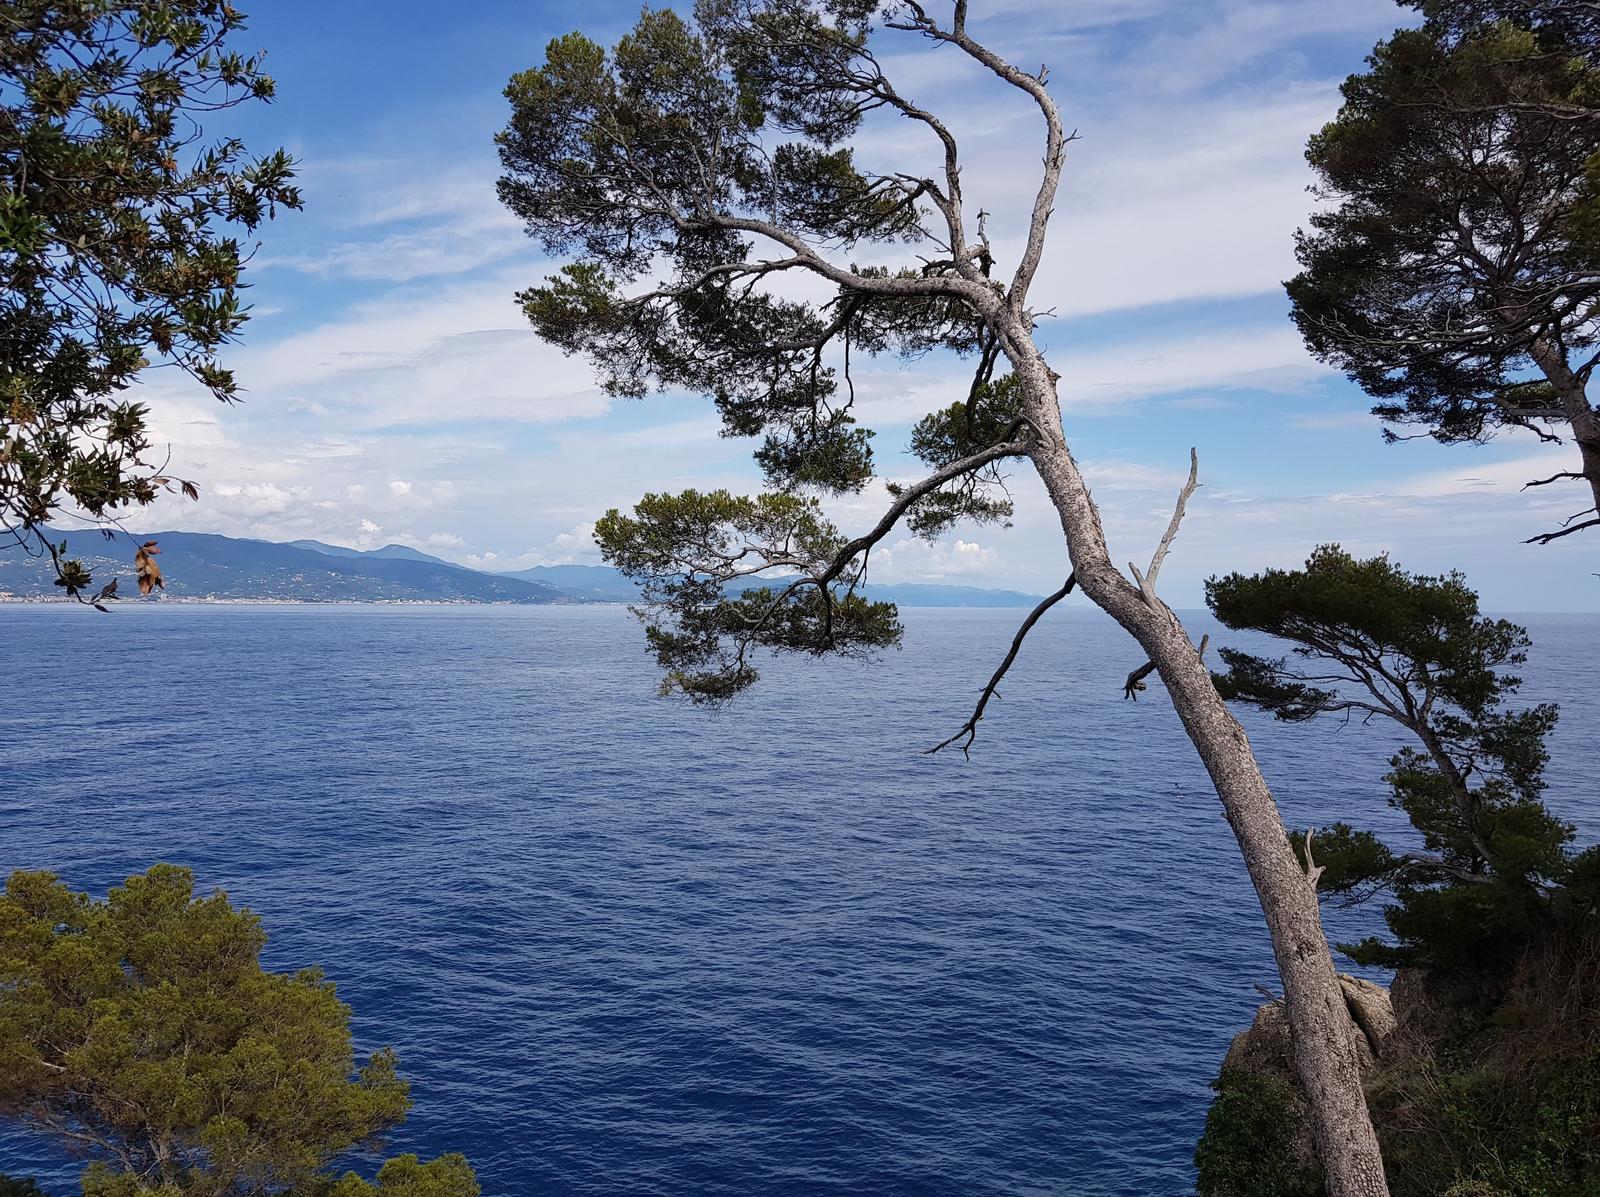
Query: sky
x=393, y=391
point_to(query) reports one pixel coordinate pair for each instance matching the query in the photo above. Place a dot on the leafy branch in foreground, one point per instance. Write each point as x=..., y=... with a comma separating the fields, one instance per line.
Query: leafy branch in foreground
x=119, y=244
x=142, y=1033
x=722, y=233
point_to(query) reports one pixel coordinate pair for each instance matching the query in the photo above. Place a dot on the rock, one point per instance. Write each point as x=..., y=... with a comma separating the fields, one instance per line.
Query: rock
x=1373, y=1011
x=1265, y=1048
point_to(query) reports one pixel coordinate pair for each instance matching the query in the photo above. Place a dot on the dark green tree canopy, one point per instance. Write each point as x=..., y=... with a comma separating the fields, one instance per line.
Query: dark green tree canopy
x=1564, y=25
x=683, y=154
x=1455, y=278
x=699, y=555
x=1372, y=640
x=687, y=173
x=143, y=1033
x=119, y=249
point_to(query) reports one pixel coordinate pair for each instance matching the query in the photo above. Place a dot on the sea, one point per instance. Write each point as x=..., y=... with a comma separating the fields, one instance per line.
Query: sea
x=626, y=946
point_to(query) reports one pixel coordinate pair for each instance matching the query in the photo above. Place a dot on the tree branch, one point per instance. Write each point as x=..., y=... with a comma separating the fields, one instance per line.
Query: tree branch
x=1547, y=537
x=970, y=727
x=1553, y=478
x=1313, y=869
x=979, y=296
x=1005, y=447
x=840, y=561
x=1055, y=138
x=1148, y=582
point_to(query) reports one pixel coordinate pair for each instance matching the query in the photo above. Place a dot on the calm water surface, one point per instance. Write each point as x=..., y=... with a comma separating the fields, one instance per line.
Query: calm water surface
x=625, y=947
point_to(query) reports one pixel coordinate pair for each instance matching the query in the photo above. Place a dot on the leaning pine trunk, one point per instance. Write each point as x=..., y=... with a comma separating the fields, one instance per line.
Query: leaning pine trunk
x=1574, y=398
x=1325, y=1056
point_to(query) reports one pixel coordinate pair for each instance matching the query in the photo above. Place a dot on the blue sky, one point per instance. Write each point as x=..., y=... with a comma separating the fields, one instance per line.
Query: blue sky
x=394, y=393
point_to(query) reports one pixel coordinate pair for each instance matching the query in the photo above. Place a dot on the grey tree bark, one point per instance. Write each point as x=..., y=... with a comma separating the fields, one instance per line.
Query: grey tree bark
x=1326, y=1057
x=1323, y=1034
x=1582, y=417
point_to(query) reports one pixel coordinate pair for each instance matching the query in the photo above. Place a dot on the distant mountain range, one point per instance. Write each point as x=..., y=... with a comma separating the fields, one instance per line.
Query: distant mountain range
x=597, y=583
x=600, y=583
x=398, y=552
x=199, y=565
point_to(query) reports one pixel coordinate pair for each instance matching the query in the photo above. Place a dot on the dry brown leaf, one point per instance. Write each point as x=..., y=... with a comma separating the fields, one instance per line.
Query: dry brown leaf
x=144, y=565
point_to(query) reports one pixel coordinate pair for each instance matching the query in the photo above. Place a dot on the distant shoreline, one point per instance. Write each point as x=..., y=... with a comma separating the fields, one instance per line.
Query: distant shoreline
x=42, y=600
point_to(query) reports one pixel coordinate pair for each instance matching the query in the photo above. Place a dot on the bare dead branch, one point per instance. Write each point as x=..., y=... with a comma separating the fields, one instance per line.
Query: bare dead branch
x=1313, y=869
x=1553, y=478
x=1135, y=682
x=1547, y=537
x=1160, y=554
x=1147, y=581
x=970, y=727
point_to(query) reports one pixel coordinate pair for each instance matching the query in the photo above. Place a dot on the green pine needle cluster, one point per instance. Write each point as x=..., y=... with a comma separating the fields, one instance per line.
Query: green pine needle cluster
x=142, y=1031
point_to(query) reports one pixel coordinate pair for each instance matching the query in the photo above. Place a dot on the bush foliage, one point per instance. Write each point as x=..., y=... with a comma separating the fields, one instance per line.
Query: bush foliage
x=142, y=1032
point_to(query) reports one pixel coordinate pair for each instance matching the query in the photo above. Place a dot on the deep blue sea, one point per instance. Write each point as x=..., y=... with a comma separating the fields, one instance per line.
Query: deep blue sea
x=626, y=947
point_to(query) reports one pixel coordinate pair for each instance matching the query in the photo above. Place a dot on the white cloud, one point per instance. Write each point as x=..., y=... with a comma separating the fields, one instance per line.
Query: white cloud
x=1179, y=205
x=1502, y=478
x=1188, y=55
x=913, y=560
x=1250, y=357
x=573, y=547
x=1272, y=358
x=257, y=499
x=381, y=223
x=399, y=489
x=458, y=248
x=333, y=447
x=1114, y=475
x=464, y=353
x=1333, y=421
